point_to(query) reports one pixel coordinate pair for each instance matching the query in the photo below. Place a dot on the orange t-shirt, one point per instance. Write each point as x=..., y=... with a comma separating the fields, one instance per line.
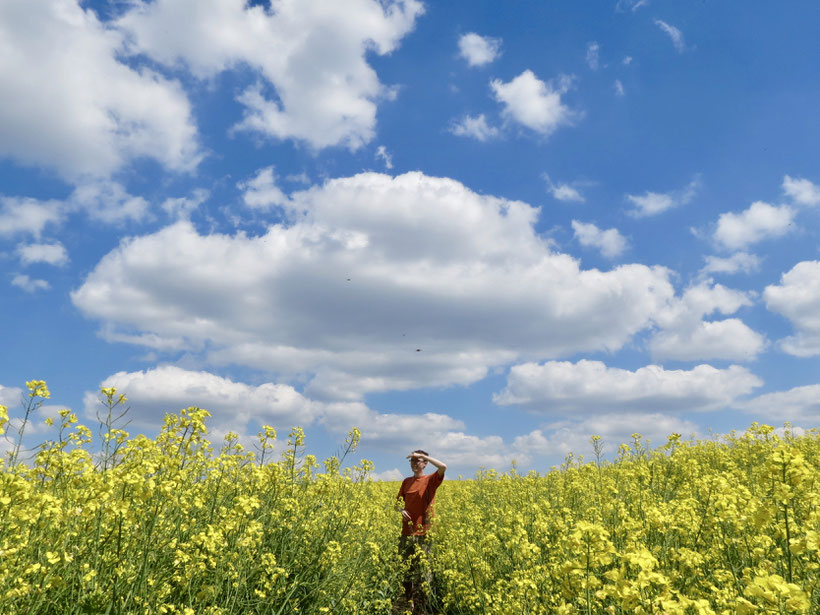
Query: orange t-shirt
x=418, y=494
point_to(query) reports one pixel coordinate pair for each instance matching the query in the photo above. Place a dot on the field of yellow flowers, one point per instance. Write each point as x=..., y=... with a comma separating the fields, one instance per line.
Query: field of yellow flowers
x=176, y=524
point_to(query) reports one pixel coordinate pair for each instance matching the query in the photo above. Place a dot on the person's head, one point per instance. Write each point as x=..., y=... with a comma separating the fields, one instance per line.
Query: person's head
x=417, y=464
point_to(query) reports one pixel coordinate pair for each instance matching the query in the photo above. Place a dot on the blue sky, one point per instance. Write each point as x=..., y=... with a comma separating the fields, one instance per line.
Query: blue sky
x=484, y=229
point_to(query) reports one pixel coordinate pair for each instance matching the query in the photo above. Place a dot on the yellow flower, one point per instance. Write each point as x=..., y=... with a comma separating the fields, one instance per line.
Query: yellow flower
x=38, y=388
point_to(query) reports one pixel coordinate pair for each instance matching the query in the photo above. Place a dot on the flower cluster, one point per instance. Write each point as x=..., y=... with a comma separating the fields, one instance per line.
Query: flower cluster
x=175, y=524
x=703, y=527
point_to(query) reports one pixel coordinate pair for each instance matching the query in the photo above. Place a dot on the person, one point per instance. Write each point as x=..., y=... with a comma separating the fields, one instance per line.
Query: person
x=416, y=494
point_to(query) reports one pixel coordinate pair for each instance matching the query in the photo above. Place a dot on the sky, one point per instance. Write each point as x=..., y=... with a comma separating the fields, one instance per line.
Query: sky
x=487, y=230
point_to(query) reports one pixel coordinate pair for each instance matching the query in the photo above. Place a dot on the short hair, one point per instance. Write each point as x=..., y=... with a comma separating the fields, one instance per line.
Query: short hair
x=421, y=451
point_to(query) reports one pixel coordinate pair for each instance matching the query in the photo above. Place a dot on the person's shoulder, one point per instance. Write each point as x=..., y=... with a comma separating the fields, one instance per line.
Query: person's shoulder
x=435, y=477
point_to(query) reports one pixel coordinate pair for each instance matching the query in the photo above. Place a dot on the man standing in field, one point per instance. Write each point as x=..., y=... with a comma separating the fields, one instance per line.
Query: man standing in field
x=416, y=494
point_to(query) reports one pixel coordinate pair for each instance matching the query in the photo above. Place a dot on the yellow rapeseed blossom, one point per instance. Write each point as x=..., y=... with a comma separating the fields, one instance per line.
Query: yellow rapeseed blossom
x=174, y=524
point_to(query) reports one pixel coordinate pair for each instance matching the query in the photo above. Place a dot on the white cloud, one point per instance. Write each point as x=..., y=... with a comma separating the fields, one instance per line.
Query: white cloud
x=378, y=283
x=475, y=127
x=68, y=104
x=797, y=297
x=384, y=155
x=388, y=475
x=739, y=262
x=314, y=57
x=590, y=387
x=760, y=221
x=298, y=178
x=236, y=406
x=563, y=192
x=464, y=450
x=627, y=61
x=673, y=33
x=50, y=253
x=801, y=190
x=10, y=396
x=534, y=103
x=30, y=285
x=619, y=88
x=261, y=192
x=389, y=431
x=593, y=51
x=800, y=404
x=730, y=339
x=610, y=242
x=684, y=335
x=183, y=207
x=153, y=393
x=632, y=5
x=101, y=200
x=573, y=436
x=28, y=216
x=653, y=203
x=108, y=202
x=479, y=50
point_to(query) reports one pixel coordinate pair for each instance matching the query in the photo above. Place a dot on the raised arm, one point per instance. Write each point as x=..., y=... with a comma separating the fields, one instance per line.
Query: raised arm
x=441, y=467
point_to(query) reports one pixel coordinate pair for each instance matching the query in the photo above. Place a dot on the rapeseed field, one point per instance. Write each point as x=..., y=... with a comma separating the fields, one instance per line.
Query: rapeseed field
x=179, y=525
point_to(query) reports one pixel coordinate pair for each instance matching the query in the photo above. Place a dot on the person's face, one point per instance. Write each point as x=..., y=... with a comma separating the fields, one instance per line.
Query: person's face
x=417, y=465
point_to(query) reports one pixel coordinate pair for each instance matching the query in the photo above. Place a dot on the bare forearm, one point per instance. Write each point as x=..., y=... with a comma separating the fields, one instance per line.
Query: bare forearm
x=440, y=465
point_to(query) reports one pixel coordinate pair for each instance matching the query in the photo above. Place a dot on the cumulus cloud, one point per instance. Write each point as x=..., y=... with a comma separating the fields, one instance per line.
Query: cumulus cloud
x=314, y=58
x=739, y=262
x=479, y=50
x=593, y=52
x=10, y=396
x=49, y=253
x=673, y=33
x=26, y=216
x=797, y=297
x=388, y=430
x=383, y=155
x=388, y=475
x=101, y=200
x=377, y=283
x=653, y=203
x=153, y=393
x=30, y=285
x=684, y=334
x=261, y=191
x=590, y=387
x=183, y=207
x=533, y=103
x=800, y=404
x=730, y=339
x=573, y=436
x=610, y=242
x=802, y=191
x=563, y=192
x=108, y=202
x=68, y=104
x=736, y=231
x=619, y=88
x=430, y=431
x=475, y=127
x=240, y=407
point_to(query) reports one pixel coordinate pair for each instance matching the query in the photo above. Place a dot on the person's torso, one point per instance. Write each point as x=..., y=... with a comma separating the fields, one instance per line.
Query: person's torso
x=419, y=494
